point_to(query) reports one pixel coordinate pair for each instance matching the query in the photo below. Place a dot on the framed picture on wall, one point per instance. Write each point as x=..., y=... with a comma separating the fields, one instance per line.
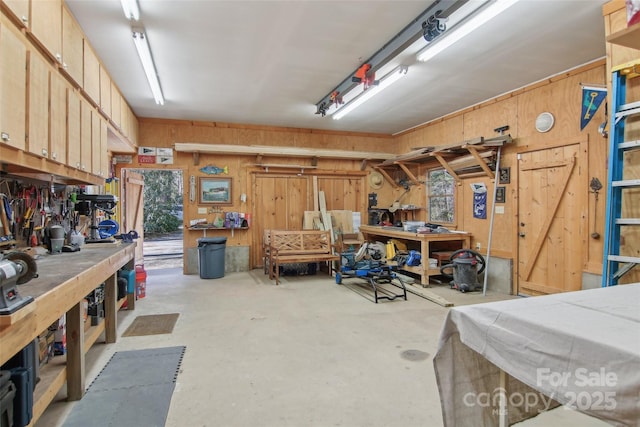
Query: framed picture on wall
x=215, y=191
x=505, y=175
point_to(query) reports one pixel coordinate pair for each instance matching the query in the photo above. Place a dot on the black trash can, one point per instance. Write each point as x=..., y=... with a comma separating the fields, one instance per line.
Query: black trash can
x=211, y=257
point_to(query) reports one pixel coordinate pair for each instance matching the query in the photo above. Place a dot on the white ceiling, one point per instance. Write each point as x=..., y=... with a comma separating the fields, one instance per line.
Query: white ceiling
x=269, y=62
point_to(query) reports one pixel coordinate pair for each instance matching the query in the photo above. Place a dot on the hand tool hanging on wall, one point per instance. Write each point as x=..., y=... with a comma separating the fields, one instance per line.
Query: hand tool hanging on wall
x=596, y=186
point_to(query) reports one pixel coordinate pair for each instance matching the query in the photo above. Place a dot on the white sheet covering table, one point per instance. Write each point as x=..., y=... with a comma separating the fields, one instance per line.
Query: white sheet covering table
x=581, y=349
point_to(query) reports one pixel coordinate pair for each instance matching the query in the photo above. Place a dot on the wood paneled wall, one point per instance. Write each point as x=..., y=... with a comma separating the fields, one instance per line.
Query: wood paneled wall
x=343, y=181
x=560, y=95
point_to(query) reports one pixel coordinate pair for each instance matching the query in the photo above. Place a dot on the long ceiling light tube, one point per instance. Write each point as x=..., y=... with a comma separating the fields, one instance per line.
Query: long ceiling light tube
x=464, y=29
x=131, y=9
x=384, y=83
x=394, y=47
x=144, y=52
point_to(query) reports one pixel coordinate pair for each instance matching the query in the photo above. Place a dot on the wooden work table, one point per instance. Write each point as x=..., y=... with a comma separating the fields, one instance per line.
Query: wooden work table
x=63, y=281
x=428, y=243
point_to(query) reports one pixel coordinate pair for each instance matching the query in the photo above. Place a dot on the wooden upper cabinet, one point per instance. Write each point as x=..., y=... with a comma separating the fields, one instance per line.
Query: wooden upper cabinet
x=95, y=142
x=73, y=128
x=98, y=144
x=105, y=91
x=91, y=78
x=58, y=119
x=116, y=109
x=46, y=25
x=124, y=121
x=20, y=9
x=38, y=105
x=13, y=79
x=72, y=46
x=85, y=136
x=129, y=123
x=104, y=149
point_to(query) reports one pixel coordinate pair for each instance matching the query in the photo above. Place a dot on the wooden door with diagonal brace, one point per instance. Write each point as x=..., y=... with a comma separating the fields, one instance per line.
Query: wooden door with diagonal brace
x=550, y=237
x=133, y=208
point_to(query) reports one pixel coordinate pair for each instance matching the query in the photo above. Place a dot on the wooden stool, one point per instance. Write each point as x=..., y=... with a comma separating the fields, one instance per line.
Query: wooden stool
x=441, y=256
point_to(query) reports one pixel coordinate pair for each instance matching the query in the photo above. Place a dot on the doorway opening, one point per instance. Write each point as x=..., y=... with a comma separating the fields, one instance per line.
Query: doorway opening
x=163, y=221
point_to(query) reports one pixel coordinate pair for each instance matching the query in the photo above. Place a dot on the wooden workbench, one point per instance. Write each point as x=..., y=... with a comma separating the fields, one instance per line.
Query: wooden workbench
x=63, y=281
x=428, y=243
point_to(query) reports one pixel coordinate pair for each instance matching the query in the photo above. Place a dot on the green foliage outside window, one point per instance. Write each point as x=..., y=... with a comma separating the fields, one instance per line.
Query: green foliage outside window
x=162, y=198
x=440, y=194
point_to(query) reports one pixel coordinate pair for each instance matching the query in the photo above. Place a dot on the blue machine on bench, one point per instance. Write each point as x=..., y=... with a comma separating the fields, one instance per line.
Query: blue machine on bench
x=373, y=270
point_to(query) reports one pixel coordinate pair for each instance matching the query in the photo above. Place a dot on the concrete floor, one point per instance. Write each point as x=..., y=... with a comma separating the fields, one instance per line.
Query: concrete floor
x=305, y=353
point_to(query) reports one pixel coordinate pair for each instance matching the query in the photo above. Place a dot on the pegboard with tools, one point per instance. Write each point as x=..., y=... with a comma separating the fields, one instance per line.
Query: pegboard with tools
x=27, y=209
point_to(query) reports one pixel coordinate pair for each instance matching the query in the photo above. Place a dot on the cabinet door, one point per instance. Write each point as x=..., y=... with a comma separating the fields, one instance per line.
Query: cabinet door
x=91, y=78
x=38, y=105
x=104, y=150
x=96, y=143
x=73, y=129
x=20, y=8
x=72, y=40
x=46, y=25
x=105, y=91
x=13, y=80
x=85, y=136
x=58, y=119
x=116, y=100
x=99, y=144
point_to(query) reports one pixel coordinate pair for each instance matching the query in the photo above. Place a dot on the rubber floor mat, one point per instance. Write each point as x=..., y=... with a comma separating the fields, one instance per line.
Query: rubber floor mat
x=153, y=324
x=133, y=389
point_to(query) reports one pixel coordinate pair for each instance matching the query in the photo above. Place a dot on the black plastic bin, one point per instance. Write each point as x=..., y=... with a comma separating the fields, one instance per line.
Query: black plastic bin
x=211, y=257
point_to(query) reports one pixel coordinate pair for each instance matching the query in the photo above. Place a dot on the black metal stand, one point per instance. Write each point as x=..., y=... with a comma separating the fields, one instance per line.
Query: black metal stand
x=375, y=274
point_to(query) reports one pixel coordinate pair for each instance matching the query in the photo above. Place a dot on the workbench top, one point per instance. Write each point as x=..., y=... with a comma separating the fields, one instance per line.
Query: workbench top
x=57, y=269
x=63, y=280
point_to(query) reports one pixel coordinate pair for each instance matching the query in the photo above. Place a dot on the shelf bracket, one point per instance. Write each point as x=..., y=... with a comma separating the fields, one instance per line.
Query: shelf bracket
x=387, y=177
x=445, y=165
x=410, y=175
x=196, y=158
x=481, y=162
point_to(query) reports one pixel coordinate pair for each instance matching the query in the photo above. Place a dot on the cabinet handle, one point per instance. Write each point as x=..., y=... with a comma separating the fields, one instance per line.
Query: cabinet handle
x=45, y=153
x=24, y=19
x=54, y=156
x=5, y=137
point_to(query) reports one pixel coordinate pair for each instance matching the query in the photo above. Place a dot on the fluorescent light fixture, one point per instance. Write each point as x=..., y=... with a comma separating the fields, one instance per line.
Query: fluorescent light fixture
x=372, y=91
x=131, y=9
x=465, y=28
x=142, y=46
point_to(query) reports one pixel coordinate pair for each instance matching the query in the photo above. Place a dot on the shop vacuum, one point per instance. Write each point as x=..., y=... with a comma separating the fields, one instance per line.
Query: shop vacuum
x=464, y=263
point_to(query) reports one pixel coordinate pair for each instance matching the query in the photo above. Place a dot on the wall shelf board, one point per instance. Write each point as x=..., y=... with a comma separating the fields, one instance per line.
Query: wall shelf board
x=629, y=37
x=262, y=150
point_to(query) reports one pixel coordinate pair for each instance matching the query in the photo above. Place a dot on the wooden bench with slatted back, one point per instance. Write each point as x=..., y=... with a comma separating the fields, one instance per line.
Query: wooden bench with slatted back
x=299, y=246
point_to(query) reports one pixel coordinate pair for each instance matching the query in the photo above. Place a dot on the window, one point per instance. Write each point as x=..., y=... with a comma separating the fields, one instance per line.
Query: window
x=440, y=196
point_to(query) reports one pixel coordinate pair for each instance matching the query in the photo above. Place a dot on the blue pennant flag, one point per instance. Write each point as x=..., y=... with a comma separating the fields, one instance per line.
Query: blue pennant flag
x=592, y=97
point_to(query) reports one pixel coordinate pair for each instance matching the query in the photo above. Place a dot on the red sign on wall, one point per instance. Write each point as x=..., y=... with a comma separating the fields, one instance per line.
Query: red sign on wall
x=146, y=159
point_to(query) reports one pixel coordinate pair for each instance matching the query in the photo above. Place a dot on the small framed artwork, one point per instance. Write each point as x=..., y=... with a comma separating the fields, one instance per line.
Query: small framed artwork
x=500, y=195
x=505, y=175
x=215, y=191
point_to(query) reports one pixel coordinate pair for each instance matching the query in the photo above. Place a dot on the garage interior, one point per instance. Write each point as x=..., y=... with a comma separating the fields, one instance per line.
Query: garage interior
x=352, y=256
